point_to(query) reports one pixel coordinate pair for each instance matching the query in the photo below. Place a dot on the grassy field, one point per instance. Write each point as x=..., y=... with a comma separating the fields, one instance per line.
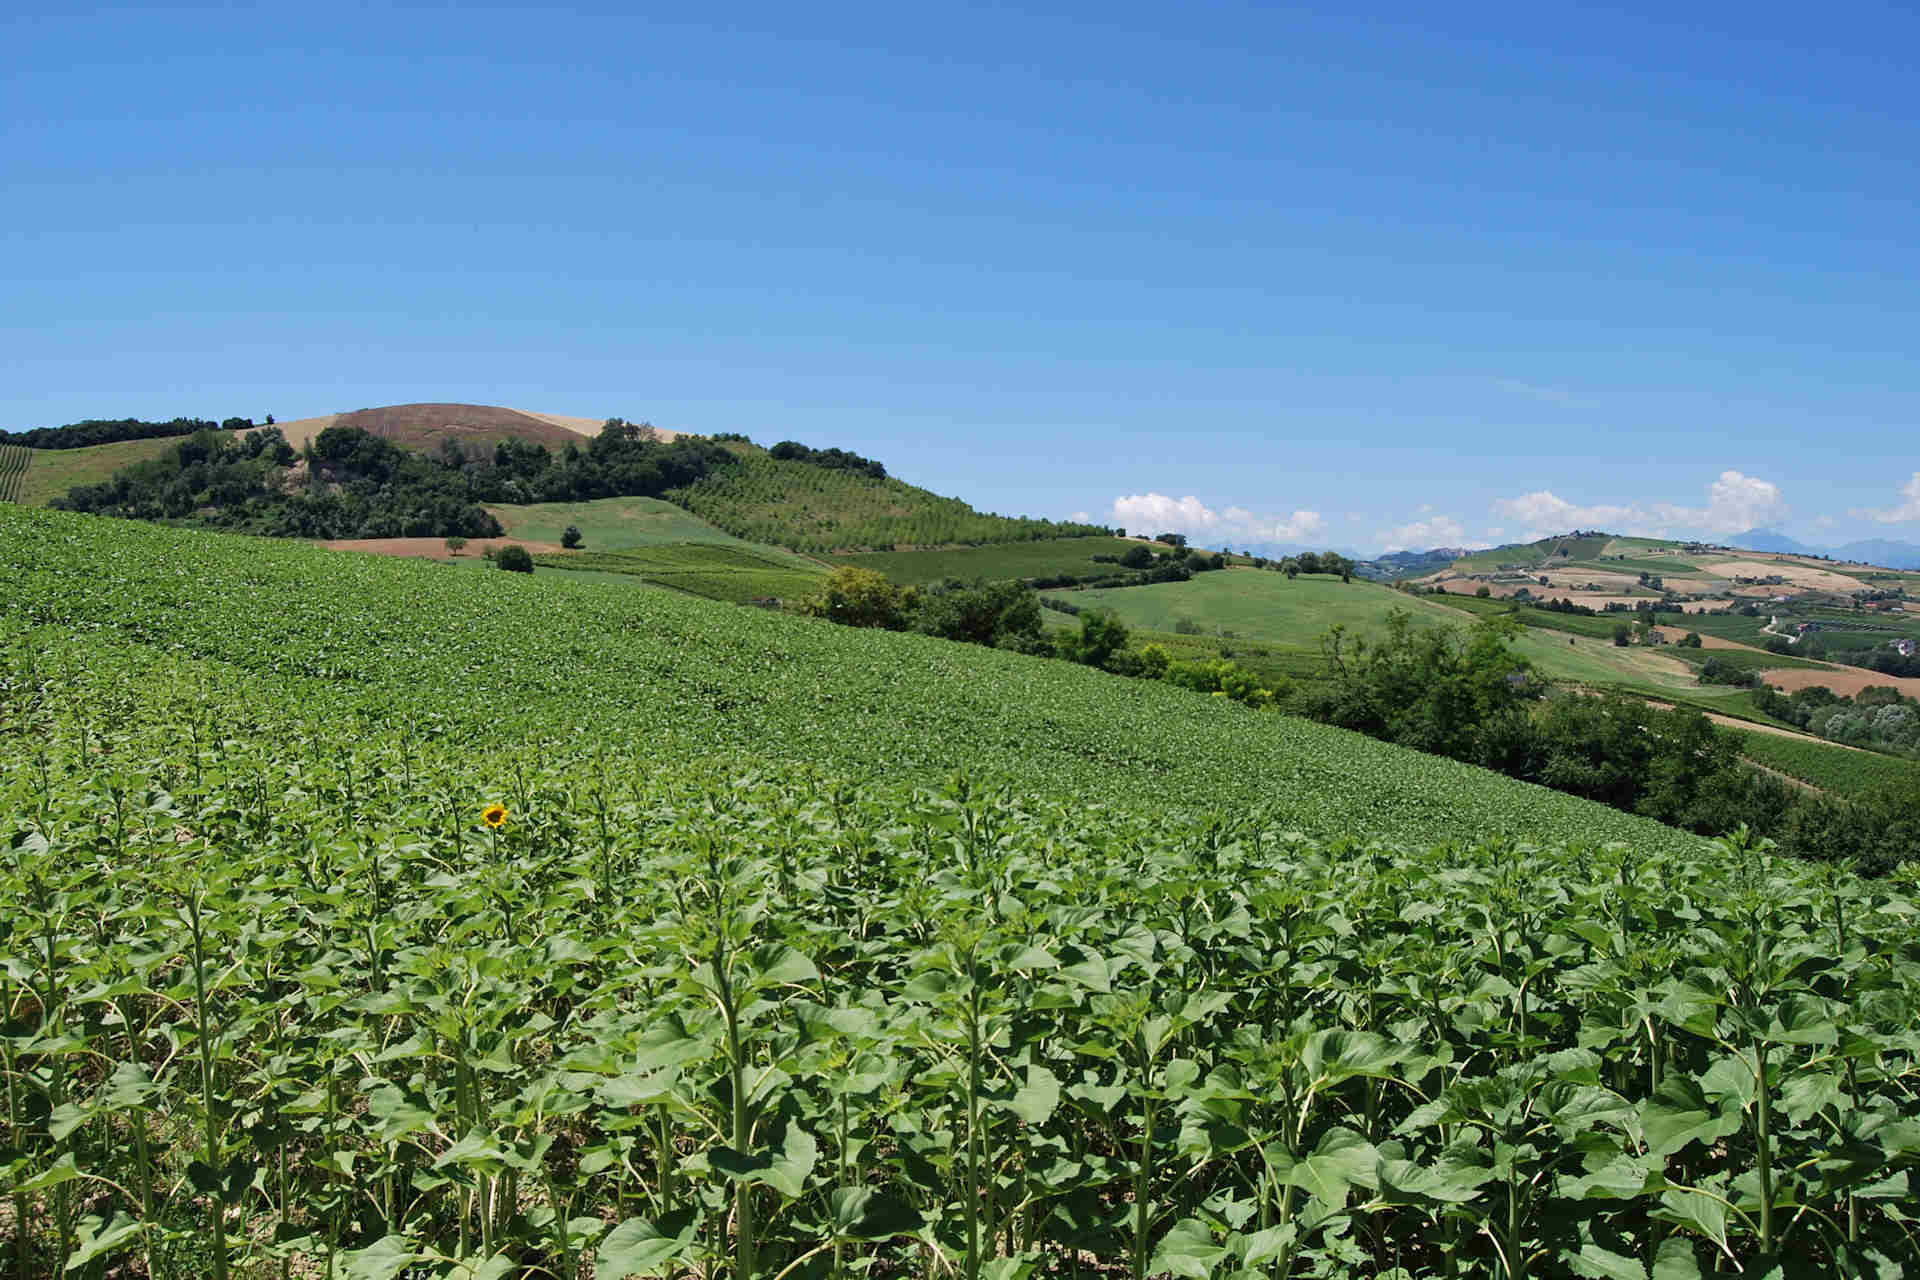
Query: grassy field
x=816, y=509
x=1259, y=604
x=621, y=524
x=390, y=919
x=54, y=471
x=737, y=574
x=994, y=563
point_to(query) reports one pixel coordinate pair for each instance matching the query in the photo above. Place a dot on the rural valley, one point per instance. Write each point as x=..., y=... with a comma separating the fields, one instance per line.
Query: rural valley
x=455, y=841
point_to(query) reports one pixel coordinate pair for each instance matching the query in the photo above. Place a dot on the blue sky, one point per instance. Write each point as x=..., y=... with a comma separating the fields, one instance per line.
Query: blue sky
x=1431, y=274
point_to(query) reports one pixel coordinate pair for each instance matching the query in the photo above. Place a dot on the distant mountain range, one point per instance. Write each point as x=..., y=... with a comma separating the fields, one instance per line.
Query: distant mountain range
x=1888, y=553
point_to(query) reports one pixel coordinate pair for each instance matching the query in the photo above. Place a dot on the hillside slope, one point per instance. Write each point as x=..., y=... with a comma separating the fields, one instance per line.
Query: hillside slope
x=818, y=509
x=422, y=426
x=133, y=609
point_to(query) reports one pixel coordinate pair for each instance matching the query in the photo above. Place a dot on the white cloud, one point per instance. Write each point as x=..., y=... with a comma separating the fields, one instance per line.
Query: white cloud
x=1151, y=513
x=1080, y=517
x=1420, y=535
x=1735, y=503
x=1909, y=508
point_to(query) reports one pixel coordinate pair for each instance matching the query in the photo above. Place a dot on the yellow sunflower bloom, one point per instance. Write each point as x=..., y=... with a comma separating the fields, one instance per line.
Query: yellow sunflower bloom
x=494, y=815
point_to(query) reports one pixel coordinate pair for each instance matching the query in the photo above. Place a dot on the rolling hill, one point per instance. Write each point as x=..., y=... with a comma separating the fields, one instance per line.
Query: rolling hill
x=816, y=508
x=422, y=426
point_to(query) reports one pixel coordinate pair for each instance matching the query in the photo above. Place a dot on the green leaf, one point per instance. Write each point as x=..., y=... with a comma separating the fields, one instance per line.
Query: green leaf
x=1188, y=1249
x=1035, y=1100
x=1604, y=1264
x=384, y=1259
x=1675, y=1260
x=61, y=1170
x=498, y=1267
x=786, y=1171
x=863, y=1213
x=94, y=1238
x=1343, y=1159
x=776, y=965
x=1451, y=1181
x=1332, y=1056
x=638, y=1248
x=1680, y=1114
x=398, y=1114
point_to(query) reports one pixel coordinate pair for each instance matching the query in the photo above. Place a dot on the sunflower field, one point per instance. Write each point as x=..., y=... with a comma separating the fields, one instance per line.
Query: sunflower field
x=334, y=947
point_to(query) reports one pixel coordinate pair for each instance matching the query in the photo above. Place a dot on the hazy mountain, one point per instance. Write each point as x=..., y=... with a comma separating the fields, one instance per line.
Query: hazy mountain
x=1772, y=540
x=1888, y=553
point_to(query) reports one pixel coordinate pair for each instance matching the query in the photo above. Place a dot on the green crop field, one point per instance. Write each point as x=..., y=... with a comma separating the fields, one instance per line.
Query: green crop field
x=373, y=919
x=996, y=562
x=54, y=471
x=1259, y=604
x=610, y=524
x=1597, y=627
x=736, y=574
x=1831, y=767
x=816, y=509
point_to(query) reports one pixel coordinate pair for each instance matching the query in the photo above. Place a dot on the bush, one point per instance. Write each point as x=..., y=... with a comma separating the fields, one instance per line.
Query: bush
x=572, y=538
x=1482, y=593
x=514, y=558
x=456, y=543
x=856, y=597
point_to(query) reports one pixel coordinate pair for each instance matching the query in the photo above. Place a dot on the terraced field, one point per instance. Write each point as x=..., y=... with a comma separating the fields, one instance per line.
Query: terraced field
x=386, y=919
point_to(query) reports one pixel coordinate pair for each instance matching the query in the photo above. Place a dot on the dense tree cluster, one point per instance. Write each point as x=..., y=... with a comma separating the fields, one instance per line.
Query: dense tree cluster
x=1878, y=716
x=831, y=459
x=1468, y=696
x=93, y=431
x=351, y=484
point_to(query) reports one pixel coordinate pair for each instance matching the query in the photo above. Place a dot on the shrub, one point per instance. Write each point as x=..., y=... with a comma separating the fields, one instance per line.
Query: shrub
x=572, y=538
x=1483, y=593
x=456, y=544
x=856, y=597
x=514, y=558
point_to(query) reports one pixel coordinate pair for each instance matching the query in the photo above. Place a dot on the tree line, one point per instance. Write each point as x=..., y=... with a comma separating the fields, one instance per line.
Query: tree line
x=93, y=431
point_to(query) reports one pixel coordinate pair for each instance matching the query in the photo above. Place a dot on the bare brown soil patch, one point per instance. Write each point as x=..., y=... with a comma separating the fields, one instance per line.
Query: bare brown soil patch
x=301, y=430
x=422, y=426
x=434, y=548
x=1846, y=680
x=1799, y=575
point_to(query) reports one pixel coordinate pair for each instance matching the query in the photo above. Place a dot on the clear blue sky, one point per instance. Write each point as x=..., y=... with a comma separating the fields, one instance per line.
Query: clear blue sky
x=1431, y=275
